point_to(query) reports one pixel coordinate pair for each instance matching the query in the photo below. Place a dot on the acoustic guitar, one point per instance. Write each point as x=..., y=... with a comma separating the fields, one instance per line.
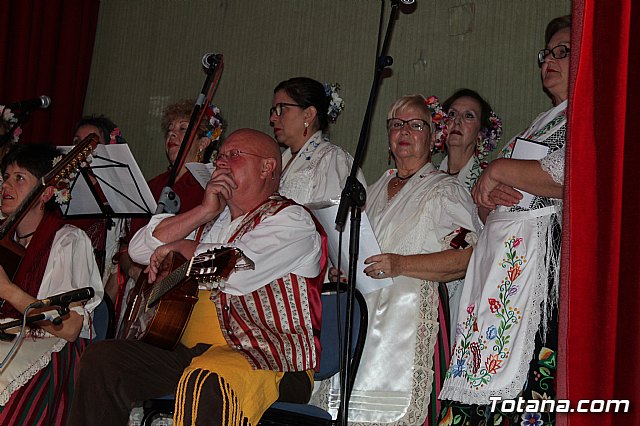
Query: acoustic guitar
x=158, y=313
x=11, y=253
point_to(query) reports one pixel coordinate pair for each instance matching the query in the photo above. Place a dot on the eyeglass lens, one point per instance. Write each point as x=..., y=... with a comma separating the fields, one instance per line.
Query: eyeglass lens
x=397, y=124
x=558, y=52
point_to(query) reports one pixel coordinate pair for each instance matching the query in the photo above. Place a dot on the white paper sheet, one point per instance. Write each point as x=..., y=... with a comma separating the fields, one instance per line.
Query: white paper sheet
x=202, y=172
x=525, y=149
x=120, y=179
x=326, y=215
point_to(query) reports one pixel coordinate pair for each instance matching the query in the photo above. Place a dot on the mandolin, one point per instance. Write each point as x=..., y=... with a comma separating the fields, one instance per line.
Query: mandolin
x=11, y=253
x=158, y=313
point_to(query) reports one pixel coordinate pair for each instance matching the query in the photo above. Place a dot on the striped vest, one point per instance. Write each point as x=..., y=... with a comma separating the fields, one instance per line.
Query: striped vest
x=276, y=327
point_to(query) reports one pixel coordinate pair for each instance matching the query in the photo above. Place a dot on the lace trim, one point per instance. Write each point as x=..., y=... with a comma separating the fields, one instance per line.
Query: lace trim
x=24, y=377
x=553, y=164
x=423, y=360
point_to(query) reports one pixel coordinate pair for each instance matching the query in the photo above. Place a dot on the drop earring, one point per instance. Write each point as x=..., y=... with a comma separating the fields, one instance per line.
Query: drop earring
x=306, y=126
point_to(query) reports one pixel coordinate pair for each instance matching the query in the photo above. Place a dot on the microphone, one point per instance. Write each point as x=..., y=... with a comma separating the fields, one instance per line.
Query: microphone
x=37, y=103
x=211, y=60
x=64, y=299
x=407, y=1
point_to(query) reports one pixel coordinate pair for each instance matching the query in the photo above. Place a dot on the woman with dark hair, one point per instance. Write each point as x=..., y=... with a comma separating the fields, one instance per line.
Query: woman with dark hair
x=314, y=169
x=108, y=132
x=105, y=233
x=473, y=132
x=506, y=336
x=37, y=384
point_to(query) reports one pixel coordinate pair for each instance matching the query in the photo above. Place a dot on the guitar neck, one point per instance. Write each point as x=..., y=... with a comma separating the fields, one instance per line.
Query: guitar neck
x=14, y=219
x=168, y=283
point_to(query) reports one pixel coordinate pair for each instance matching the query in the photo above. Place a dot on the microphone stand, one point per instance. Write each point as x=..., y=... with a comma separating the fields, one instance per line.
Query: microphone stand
x=23, y=322
x=354, y=196
x=169, y=201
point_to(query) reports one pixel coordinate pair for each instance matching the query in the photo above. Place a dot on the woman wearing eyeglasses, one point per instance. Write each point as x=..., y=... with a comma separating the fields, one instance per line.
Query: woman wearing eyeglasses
x=418, y=214
x=473, y=132
x=314, y=169
x=506, y=336
x=174, y=124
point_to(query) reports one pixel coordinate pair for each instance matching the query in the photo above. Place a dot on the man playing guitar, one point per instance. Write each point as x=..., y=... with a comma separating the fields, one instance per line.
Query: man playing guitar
x=249, y=342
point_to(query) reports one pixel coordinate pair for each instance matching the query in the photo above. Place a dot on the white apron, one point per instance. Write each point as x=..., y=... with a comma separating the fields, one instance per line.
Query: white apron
x=506, y=290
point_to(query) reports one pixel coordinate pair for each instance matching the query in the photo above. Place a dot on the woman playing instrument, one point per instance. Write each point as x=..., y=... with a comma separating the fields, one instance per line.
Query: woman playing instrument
x=174, y=124
x=506, y=341
x=38, y=381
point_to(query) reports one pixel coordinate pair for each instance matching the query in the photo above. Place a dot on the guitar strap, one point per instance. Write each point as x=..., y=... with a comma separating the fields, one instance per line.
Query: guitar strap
x=29, y=275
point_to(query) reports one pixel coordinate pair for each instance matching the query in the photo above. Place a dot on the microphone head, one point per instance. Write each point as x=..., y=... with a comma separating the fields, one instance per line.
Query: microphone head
x=46, y=101
x=211, y=59
x=407, y=1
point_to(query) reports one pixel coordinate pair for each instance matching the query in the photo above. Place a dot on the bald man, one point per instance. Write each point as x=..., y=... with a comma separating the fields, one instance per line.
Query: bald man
x=247, y=344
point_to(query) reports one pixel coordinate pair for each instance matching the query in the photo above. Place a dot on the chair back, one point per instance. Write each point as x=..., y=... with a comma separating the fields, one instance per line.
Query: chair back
x=334, y=317
x=333, y=328
x=104, y=319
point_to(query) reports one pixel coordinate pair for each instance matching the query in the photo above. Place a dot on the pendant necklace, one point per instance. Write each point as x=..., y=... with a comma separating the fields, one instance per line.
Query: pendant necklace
x=402, y=179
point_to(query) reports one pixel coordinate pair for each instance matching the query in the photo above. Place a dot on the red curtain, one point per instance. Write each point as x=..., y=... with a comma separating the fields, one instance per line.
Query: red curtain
x=600, y=296
x=45, y=49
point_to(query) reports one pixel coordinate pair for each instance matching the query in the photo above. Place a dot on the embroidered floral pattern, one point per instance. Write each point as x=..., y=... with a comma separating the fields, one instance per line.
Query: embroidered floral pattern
x=490, y=136
x=438, y=118
x=469, y=363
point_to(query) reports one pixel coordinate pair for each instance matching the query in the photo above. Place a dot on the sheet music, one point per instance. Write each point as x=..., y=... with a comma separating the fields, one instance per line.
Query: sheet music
x=120, y=180
x=326, y=215
x=200, y=171
x=526, y=149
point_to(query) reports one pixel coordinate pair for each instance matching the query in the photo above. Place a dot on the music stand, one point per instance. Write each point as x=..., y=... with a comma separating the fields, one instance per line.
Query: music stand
x=111, y=186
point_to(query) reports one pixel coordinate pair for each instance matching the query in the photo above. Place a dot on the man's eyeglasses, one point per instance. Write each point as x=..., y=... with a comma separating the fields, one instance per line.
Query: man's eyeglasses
x=416, y=124
x=558, y=52
x=277, y=108
x=234, y=154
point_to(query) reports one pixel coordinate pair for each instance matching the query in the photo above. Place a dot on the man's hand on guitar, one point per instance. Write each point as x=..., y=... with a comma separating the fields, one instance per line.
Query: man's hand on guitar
x=185, y=247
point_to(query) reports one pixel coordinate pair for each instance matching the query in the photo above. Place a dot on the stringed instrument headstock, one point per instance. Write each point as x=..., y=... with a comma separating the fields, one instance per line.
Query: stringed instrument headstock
x=67, y=168
x=63, y=171
x=213, y=267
